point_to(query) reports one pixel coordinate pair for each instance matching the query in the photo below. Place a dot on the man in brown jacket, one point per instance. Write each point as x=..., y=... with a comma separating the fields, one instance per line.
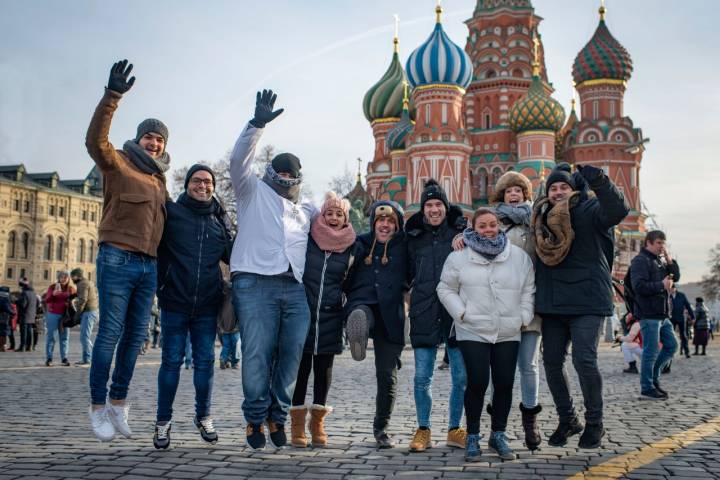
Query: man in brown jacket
x=132, y=223
x=86, y=312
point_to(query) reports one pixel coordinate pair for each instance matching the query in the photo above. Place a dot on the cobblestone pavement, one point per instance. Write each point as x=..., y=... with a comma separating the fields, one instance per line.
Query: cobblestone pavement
x=44, y=430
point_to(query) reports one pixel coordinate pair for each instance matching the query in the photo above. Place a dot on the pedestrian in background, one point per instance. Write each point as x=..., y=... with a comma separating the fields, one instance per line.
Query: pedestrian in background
x=27, y=304
x=6, y=314
x=680, y=313
x=57, y=299
x=86, y=312
x=702, y=326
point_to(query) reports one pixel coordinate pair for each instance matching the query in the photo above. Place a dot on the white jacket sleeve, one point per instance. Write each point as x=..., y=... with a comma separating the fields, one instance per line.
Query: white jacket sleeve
x=241, y=159
x=448, y=288
x=527, y=297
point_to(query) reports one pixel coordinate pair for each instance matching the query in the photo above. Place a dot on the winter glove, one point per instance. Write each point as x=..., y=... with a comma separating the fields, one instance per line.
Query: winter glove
x=118, y=81
x=264, y=109
x=594, y=176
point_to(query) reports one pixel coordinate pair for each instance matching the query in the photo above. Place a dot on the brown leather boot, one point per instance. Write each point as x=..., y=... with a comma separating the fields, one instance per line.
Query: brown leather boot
x=297, y=426
x=316, y=425
x=529, y=423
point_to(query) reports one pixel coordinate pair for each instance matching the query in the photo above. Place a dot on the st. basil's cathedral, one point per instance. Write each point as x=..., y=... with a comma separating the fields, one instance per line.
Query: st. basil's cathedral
x=464, y=117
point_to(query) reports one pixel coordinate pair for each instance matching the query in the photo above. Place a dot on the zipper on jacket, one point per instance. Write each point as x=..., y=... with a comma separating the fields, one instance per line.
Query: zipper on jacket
x=197, y=280
x=319, y=303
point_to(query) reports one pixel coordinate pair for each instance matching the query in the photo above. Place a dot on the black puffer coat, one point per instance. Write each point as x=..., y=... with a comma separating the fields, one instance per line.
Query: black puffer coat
x=428, y=248
x=647, y=272
x=380, y=284
x=325, y=273
x=581, y=283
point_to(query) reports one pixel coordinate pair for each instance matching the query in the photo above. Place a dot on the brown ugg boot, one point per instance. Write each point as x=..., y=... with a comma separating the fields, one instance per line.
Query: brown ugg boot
x=297, y=426
x=316, y=425
x=530, y=425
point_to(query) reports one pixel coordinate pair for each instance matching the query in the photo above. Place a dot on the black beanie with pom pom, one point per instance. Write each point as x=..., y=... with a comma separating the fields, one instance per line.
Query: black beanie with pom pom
x=433, y=191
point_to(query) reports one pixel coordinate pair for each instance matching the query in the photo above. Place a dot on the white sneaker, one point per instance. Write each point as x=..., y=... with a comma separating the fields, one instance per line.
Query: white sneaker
x=119, y=418
x=102, y=428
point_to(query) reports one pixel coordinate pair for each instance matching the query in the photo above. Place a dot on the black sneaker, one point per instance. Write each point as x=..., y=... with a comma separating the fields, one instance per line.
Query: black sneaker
x=592, y=436
x=223, y=365
x=631, y=369
x=662, y=391
x=48, y=363
x=383, y=440
x=255, y=437
x=65, y=362
x=358, y=331
x=565, y=430
x=161, y=439
x=652, y=395
x=278, y=439
x=82, y=362
x=206, y=428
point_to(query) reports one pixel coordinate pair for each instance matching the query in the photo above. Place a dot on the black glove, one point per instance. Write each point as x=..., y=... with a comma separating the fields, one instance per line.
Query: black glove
x=264, y=109
x=118, y=81
x=593, y=176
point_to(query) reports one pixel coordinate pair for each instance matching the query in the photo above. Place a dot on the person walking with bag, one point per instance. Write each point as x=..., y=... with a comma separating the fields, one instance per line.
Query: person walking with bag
x=330, y=254
x=488, y=288
x=196, y=239
x=57, y=298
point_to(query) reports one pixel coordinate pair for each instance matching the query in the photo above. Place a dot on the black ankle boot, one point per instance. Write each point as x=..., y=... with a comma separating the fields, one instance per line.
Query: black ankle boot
x=592, y=436
x=565, y=430
x=530, y=426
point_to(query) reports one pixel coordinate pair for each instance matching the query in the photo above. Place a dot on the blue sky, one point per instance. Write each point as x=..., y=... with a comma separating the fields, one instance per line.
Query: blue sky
x=198, y=65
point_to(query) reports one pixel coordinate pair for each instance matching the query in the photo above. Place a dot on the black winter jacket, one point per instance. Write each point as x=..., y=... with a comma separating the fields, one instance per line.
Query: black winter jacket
x=581, y=284
x=680, y=305
x=27, y=305
x=325, y=273
x=646, y=275
x=193, y=244
x=380, y=284
x=428, y=248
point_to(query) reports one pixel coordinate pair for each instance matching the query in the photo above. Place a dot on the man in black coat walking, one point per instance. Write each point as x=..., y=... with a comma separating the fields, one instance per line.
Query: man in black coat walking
x=653, y=273
x=430, y=233
x=680, y=305
x=574, y=243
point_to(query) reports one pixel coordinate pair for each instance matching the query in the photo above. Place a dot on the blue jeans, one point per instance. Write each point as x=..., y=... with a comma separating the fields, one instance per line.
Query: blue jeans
x=424, y=369
x=654, y=331
x=187, y=353
x=87, y=322
x=229, y=351
x=528, y=367
x=176, y=328
x=274, y=319
x=53, y=324
x=126, y=284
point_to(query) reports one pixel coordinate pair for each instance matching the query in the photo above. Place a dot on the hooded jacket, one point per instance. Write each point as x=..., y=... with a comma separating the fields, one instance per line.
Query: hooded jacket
x=428, y=248
x=380, y=284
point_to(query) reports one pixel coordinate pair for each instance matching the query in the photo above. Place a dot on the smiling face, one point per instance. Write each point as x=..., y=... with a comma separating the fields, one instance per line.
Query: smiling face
x=513, y=195
x=559, y=191
x=384, y=229
x=334, y=218
x=487, y=225
x=153, y=144
x=63, y=279
x=200, y=187
x=435, y=212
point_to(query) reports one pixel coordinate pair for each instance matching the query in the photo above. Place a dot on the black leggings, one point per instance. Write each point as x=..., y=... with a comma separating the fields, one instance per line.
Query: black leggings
x=480, y=360
x=321, y=365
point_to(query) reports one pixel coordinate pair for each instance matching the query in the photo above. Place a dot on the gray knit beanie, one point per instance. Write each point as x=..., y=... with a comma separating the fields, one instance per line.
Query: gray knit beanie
x=151, y=125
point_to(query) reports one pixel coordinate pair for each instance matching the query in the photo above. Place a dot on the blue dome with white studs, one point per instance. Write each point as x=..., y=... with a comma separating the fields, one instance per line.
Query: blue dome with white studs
x=439, y=60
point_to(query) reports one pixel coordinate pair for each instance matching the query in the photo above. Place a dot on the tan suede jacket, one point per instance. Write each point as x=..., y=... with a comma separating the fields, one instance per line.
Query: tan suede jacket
x=134, y=202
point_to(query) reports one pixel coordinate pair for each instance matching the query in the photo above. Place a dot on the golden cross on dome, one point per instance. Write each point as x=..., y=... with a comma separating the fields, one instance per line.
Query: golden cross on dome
x=536, y=54
x=438, y=11
x=602, y=10
x=396, y=39
x=359, y=175
x=406, y=99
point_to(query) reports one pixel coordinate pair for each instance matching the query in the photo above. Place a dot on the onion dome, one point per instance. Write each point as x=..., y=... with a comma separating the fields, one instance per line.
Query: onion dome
x=537, y=110
x=488, y=5
x=603, y=57
x=385, y=98
x=439, y=60
x=396, y=137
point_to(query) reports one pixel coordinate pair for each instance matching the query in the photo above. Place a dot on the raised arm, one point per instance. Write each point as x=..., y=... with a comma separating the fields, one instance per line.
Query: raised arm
x=96, y=140
x=612, y=208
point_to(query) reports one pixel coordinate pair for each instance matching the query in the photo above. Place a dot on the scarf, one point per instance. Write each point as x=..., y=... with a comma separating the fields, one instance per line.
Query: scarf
x=517, y=214
x=199, y=208
x=553, y=229
x=329, y=239
x=288, y=188
x=487, y=247
x=144, y=162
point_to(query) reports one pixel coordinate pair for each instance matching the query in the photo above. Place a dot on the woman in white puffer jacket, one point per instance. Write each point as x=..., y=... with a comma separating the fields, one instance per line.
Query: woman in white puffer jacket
x=488, y=288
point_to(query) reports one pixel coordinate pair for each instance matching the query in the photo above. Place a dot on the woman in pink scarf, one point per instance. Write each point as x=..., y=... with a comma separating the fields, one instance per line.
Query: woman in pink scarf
x=330, y=253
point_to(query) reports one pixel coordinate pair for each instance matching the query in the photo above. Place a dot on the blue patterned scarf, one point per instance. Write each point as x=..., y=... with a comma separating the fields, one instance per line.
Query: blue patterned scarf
x=487, y=247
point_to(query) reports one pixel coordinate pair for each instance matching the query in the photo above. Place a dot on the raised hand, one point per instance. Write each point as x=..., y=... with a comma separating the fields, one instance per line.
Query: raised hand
x=118, y=81
x=593, y=176
x=264, y=105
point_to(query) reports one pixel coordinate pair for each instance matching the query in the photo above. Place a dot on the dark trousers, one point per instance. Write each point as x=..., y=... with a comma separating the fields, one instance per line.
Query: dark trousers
x=583, y=331
x=387, y=364
x=26, y=336
x=682, y=330
x=481, y=361
x=321, y=366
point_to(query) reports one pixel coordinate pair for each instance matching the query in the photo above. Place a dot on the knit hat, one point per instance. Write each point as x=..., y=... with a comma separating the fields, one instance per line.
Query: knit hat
x=77, y=272
x=561, y=173
x=61, y=273
x=385, y=211
x=433, y=191
x=196, y=168
x=332, y=200
x=287, y=163
x=511, y=179
x=151, y=125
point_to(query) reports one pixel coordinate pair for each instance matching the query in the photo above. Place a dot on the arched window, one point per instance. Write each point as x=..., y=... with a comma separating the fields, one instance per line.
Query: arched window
x=60, y=250
x=496, y=174
x=12, y=244
x=48, y=251
x=81, y=251
x=91, y=251
x=490, y=74
x=25, y=245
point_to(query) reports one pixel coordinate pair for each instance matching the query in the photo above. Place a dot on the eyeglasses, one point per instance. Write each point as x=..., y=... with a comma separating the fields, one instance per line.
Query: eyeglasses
x=198, y=181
